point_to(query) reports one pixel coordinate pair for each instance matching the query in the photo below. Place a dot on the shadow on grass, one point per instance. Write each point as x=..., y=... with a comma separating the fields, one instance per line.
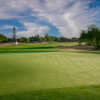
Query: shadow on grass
x=76, y=93
x=47, y=47
x=42, y=51
x=28, y=50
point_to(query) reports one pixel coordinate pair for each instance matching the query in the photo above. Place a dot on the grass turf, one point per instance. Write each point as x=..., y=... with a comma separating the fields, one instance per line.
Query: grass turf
x=43, y=75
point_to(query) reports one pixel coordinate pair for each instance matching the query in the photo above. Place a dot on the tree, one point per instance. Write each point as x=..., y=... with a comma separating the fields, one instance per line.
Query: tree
x=63, y=39
x=3, y=38
x=91, y=36
x=23, y=40
x=83, y=37
x=49, y=38
x=42, y=39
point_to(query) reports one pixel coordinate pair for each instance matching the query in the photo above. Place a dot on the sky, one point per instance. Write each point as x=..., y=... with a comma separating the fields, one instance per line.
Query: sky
x=54, y=17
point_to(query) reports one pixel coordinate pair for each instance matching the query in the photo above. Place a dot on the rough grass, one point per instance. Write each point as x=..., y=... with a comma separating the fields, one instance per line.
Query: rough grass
x=77, y=93
x=53, y=75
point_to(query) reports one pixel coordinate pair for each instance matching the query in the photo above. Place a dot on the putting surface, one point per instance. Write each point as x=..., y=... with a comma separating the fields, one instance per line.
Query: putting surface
x=26, y=72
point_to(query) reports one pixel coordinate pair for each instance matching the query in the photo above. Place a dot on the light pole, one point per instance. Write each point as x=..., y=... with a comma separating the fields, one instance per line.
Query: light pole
x=14, y=34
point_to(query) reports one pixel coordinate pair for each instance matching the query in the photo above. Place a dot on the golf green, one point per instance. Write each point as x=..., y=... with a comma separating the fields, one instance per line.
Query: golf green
x=22, y=72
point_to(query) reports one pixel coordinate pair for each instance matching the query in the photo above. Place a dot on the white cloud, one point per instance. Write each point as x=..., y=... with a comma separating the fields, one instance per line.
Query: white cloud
x=33, y=29
x=68, y=16
x=5, y=27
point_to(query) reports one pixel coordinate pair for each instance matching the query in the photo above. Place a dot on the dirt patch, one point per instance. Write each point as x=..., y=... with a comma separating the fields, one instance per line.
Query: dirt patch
x=5, y=44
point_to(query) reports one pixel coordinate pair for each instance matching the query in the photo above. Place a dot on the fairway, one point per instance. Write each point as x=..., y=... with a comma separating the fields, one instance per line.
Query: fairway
x=48, y=73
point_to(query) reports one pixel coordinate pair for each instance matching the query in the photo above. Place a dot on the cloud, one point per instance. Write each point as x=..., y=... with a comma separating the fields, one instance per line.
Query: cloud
x=6, y=27
x=68, y=16
x=33, y=29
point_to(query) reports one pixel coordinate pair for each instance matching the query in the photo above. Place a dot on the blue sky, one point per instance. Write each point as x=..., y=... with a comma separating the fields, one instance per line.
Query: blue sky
x=55, y=17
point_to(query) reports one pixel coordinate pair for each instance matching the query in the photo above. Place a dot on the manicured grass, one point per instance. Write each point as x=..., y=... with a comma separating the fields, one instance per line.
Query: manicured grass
x=49, y=74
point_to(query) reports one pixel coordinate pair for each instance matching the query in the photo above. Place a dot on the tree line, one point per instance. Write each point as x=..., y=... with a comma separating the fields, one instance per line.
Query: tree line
x=37, y=38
